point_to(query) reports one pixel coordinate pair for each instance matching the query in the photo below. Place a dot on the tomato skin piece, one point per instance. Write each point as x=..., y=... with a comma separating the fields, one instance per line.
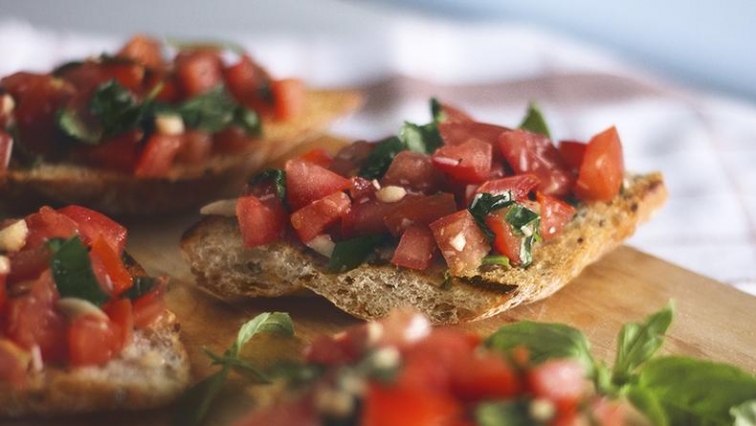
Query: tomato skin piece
x=307, y=182
x=454, y=115
x=157, y=156
x=92, y=225
x=260, y=222
x=415, y=249
x=572, y=152
x=117, y=278
x=92, y=341
x=603, y=168
x=461, y=241
x=555, y=215
x=457, y=132
x=47, y=223
x=528, y=152
x=6, y=148
x=414, y=171
x=29, y=264
x=288, y=98
x=468, y=162
x=245, y=80
x=318, y=156
x=198, y=71
x=519, y=186
x=313, y=219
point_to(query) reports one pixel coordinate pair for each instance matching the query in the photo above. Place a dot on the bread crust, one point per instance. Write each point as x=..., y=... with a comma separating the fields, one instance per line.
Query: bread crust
x=216, y=255
x=151, y=371
x=185, y=187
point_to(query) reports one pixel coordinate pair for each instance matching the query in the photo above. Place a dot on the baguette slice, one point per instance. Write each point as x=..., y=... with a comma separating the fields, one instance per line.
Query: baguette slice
x=216, y=255
x=152, y=371
x=186, y=187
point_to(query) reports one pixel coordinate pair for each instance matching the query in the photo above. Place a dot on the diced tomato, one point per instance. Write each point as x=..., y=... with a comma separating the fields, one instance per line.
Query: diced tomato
x=341, y=348
x=6, y=147
x=90, y=75
x=461, y=241
x=415, y=249
x=454, y=115
x=198, y=71
x=31, y=320
x=169, y=92
x=92, y=341
x=457, y=132
x=119, y=153
x=121, y=314
x=349, y=159
x=260, y=222
x=484, y=376
x=245, y=80
x=148, y=308
x=318, y=156
x=28, y=264
x=232, y=140
x=46, y=224
x=366, y=218
x=415, y=171
x=519, y=186
x=14, y=363
x=602, y=170
x=572, y=152
x=468, y=162
x=311, y=220
x=113, y=277
x=505, y=242
x=430, y=362
x=362, y=189
x=144, y=50
x=92, y=224
x=528, y=152
x=157, y=156
x=196, y=148
x=555, y=215
x=561, y=381
x=396, y=406
x=419, y=210
x=307, y=182
x=288, y=97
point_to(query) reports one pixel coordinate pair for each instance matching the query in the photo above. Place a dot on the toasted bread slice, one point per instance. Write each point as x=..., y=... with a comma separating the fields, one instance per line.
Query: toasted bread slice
x=216, y=255
x=186, y=187
x=151, y=371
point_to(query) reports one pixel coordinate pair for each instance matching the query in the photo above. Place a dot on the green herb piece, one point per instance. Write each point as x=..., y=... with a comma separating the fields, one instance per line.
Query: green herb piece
x=276, y=176
x=544, y=341
x=637, y=343
x=696, y=392
x=380, y=158
x=424, y=139
x=215, y=110
x=437, y=111
x=72, y=271
x=534, y=121
x=496, y=260
x=525, y=223
x=349, y=254
x=484, y=204
x=196, y=402
x=514, y=413
x=116, y=108
x=745, y=413
x=71, y=124
x=248, y=120
x=142, y=285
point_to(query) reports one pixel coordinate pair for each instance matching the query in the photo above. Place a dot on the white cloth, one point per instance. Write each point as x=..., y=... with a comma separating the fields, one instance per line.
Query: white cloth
x=704, y=145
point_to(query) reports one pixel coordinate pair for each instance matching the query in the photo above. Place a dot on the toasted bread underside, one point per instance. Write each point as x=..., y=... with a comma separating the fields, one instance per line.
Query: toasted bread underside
x=186, y=187
x=152, y=371
x=217, y=257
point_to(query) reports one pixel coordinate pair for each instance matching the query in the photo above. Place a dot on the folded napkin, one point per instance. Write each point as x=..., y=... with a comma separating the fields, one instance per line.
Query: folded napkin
x=705, y=145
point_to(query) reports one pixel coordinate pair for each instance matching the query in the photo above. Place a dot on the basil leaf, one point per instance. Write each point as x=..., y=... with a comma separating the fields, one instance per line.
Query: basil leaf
x=239, y=365
x=483, y=204
x=424, y=139
x=525, y=223
x=534, y=121
x=215, y=110
x=647, y=404
x=745, y=413
x=437, y=111
x=637, y=343
x=496, y=260
x=544, y=341
x=142, y=285
x=248, y=120
x=380, y=158
x=515, y=413
x=115, y=107
x=267, y=322
x=277, y=176
x=349, y=254
x=71, y=124
x=696, y=392
x=72, y=271
x=193, y=406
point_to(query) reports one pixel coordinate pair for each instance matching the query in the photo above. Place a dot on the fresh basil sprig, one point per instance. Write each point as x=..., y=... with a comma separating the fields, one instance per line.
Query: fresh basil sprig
x=196, y=402
x=72, y=271
x=534, y=121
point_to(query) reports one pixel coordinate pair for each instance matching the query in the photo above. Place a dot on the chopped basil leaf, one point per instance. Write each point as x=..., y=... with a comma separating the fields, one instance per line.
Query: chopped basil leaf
x=248, y=120
x=116, y=108
x=142, y=285
x=73, y=126
x=215, y=110
x=277, y=176
x=350, y=254
x=437, y=111
x=72, y=271
x=483, y=204
x=534, y=121
x=424, y=139
x=380, y=158
x=526, y=223
x=515, y=413
x=496, y=260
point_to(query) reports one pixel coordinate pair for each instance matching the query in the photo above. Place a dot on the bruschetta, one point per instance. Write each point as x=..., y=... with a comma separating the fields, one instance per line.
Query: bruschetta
x=458, y=218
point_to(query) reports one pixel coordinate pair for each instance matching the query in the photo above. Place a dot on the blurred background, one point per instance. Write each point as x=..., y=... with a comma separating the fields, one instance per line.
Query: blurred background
x=677, y=78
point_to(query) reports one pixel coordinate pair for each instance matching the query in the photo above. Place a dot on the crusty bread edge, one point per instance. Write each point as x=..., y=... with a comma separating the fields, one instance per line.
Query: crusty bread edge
x=371, y=291
x=151, y=372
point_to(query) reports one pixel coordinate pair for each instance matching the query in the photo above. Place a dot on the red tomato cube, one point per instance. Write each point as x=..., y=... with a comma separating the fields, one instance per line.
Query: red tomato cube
x=260, y=222
x=307, y=182
x=415, y=249
x=461, y=241
x=313, y=219
x=468, y=162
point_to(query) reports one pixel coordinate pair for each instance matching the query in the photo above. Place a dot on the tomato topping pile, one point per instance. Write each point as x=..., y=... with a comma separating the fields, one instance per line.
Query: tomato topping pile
x=467, y=192
x=67, y=295
x=401, y=371
x=140, y=112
